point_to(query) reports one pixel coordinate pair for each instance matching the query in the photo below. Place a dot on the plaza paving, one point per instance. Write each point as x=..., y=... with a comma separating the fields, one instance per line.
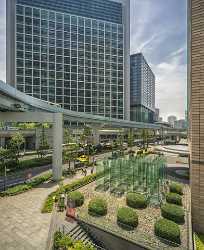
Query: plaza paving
x=22, y=225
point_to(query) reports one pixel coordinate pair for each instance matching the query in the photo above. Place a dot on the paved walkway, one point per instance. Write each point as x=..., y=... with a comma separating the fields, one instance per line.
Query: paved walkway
x=22, y=226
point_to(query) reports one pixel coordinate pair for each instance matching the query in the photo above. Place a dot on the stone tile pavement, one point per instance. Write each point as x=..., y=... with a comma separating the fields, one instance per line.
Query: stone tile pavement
x=22, y=225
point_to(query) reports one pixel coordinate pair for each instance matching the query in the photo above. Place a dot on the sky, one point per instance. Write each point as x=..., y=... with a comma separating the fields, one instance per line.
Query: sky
x=159, y=31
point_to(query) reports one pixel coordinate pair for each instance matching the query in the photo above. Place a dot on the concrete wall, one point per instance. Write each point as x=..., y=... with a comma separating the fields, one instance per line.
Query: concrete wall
x=111, y=241
x=196, y=105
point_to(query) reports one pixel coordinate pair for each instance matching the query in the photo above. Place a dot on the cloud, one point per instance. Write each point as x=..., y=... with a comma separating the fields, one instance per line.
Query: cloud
x=159, y=30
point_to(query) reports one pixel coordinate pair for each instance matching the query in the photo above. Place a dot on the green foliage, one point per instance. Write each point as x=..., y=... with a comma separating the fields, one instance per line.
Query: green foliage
x=168, y=230
x=62, y=241
x=173, y=212
x=127, y=217
x=136, y=200
x=44, y=146
x=174, y=199
x=17, y=140
x=97, y=207
x=199, y=239
x=18, y=189
x=130, y=138
x=49, y=202
x=176, y=188
x=77, y=197
x=30, y=163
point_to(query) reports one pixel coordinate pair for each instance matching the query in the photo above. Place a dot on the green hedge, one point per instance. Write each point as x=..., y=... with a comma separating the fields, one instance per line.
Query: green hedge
x=30, y=163
x=173, y=212
x=168, y=230
x=136, y=200
x=77, y=197
x=127, y=217
x=174, y=198
x=49, y=202
x=18, y=189
x=97, y=207
x=176, y=188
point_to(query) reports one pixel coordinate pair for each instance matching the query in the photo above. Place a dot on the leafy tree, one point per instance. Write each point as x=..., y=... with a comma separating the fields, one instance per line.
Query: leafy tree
x=130, y=138
x=17, y=140
x=86, y=140
x=5, y=154
x=68, y=138
x=44, y=146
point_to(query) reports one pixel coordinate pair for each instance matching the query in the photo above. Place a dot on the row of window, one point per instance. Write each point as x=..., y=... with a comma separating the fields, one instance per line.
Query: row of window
x=37, y=23
x=109, y=14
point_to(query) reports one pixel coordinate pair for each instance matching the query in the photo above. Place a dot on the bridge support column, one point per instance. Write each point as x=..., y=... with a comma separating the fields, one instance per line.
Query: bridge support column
x=57, y=146
x=2, y=142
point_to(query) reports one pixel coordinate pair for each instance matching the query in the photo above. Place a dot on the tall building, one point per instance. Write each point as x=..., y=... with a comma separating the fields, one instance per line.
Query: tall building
x=196, y=110
x=171, y=120
x=180, y=124
x=156, y=115
x=142, y=89
x=74, y=53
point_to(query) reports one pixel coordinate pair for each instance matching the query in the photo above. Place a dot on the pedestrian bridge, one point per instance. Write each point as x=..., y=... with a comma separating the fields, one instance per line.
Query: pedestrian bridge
x=16, y=106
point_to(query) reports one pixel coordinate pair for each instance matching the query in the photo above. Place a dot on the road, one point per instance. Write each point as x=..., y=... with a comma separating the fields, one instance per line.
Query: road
x=21, y=176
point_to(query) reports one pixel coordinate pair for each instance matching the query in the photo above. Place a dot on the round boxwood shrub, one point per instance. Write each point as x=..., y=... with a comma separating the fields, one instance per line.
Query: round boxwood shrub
x=173, y=212
x=136, y=200
x=97, y=207
x=77, y=197
x=176, y=188
x=168, y=230
x=174, y=199
x=127, y=217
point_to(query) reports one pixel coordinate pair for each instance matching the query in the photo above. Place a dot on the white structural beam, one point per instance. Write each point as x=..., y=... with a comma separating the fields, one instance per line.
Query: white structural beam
x=56, y=119
x=57, y=146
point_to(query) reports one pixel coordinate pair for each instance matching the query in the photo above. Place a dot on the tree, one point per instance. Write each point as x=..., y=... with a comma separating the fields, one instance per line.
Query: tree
x=68, y=138
x=17, y=140
x=44, y=146
x=130, y=138
x=86, y=140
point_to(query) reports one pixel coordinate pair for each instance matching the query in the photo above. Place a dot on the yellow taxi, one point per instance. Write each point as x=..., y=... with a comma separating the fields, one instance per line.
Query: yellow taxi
x=83, y=158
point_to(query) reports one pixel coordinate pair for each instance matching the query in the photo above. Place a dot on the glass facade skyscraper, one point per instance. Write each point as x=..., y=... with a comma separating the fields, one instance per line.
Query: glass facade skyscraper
x=73, y=53
x=142, y=89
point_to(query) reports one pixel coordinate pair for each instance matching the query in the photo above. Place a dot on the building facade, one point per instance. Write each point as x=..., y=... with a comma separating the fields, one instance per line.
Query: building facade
x=73, y=53
x=171, y=120
x=180, y=124
x=142, y=89
x=196, y=110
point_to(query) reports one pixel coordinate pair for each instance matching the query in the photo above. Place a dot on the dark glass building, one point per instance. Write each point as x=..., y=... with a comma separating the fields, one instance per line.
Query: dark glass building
x=142, y=90
x=73, y=53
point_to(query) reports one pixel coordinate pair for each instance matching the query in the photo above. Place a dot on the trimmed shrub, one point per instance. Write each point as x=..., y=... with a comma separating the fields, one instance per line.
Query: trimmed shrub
x=97, y=207
x=173, y=212
x=77, y=197
x=174, y=199
x=49, y=202
x=127, y=217
x=176, y=188
x=168, y=230
x=136, y=200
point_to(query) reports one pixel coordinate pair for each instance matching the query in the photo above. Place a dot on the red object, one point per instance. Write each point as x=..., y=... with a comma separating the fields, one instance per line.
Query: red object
x=71, y=212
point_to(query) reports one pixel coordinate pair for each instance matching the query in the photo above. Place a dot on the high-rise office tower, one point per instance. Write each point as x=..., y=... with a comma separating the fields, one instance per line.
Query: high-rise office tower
x=74, y=53
x=142, y=90
x=196, y=110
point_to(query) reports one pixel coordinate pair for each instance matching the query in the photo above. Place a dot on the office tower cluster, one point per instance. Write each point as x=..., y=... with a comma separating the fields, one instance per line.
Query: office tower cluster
x=77, y=54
